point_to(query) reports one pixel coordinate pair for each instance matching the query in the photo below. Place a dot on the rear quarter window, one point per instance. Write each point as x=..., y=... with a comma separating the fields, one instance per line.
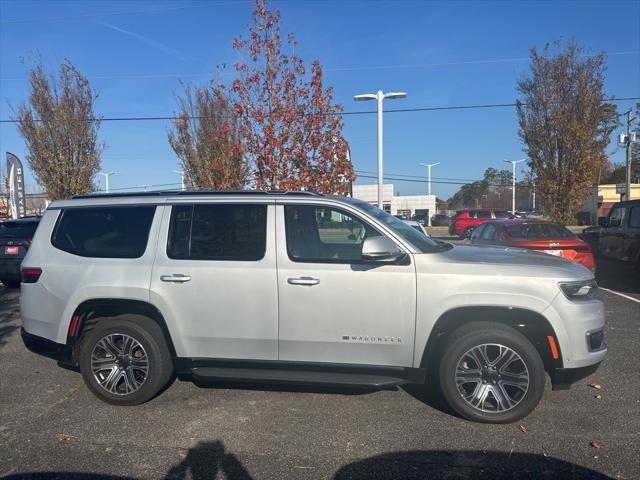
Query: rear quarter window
x=104, y=232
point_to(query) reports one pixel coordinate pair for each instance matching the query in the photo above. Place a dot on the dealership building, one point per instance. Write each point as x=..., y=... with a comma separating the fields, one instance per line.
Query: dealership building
x=406, y=205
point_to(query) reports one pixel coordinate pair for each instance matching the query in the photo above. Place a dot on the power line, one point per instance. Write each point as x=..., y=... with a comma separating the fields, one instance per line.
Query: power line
x=361, y=112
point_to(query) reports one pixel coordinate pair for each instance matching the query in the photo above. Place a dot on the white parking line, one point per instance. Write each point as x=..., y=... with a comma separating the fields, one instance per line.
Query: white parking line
x=620, y=294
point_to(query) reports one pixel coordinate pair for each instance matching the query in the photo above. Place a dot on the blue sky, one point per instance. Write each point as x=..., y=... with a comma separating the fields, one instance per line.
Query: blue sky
x=440, y=53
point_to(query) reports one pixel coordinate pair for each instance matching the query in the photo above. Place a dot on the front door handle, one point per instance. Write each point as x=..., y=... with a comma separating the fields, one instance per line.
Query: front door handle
x=176, y=278
x=309, y=281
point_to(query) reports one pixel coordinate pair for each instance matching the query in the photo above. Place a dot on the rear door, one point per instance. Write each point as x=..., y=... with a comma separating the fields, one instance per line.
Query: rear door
x=214, y=276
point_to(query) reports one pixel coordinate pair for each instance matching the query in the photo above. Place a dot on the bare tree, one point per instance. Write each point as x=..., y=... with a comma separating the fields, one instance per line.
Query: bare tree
x=565, y=125
x=205, y=136
x=61, y=131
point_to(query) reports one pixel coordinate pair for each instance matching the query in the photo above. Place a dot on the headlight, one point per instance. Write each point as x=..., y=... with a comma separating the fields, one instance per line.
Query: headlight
x=584, y=290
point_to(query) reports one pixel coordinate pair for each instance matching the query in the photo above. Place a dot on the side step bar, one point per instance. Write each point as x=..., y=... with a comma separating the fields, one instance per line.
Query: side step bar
x=296, y=376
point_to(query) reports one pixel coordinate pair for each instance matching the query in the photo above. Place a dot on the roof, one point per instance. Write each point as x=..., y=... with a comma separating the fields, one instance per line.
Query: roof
x=172, y=193
x=521, y=221
x=627, y=203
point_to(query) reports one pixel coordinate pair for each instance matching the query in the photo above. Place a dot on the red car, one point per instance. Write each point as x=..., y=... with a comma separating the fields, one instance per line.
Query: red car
x=538, y=235
x=465, y=221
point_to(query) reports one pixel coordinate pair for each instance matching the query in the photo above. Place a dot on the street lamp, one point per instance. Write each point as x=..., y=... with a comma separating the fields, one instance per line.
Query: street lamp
x=106, y=179
x=181, y=173
x=513, y=188
x=429, y=165
x=379, y=97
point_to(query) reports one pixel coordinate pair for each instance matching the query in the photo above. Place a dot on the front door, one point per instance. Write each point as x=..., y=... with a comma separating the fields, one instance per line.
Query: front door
x=611, y=241
x=333, y=306
x=214, y=280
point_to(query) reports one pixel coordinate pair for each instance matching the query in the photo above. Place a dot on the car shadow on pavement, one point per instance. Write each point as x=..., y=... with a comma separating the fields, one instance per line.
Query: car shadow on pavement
x=9, y=312
x=469, y=464
x=210, y=460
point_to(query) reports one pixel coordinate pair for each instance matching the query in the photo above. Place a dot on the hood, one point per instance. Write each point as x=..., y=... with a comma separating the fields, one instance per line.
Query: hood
x=510, y=261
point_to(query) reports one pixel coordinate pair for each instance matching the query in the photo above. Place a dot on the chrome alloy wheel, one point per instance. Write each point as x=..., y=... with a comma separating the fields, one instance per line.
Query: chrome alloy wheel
x=492, y=378
x=119, y=364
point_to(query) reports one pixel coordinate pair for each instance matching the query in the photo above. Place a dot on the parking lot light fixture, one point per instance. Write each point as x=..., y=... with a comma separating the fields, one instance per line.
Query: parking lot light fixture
x=380, y=96
x=429, y=165
x=106, y=179
x=513, y=187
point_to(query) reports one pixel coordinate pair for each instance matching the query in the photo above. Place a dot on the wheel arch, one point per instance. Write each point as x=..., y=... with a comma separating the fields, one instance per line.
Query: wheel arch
x=111, y=307
x=534, y=326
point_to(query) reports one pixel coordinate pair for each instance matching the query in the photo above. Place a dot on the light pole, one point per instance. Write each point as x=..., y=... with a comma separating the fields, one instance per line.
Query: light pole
x=106, y=179
x=181, y=173
x=379, y=97
x=513, y=188
x=429, y=165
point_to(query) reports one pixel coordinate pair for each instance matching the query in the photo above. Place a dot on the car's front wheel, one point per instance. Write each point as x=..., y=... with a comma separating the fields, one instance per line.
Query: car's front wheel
x=124, y=360
x=491, y=373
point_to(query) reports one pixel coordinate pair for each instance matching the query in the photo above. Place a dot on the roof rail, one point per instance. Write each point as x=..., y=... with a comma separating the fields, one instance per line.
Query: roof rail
x=162, y=193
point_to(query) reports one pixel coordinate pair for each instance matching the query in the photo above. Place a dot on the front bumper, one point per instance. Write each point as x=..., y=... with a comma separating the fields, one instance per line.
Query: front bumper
x=47, y=348
x=563, y=378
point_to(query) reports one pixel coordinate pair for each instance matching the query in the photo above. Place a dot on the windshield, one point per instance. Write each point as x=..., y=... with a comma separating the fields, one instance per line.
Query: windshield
x=18, y=229
x=410, y=234
x=538, y=230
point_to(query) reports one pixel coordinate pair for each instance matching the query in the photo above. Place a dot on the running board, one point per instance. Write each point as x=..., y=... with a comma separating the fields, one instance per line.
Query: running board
x=341, y=379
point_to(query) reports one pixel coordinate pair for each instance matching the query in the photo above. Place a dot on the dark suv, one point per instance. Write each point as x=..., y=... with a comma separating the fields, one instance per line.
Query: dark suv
x=15, y=238
x=465, y=221
x=618, y=236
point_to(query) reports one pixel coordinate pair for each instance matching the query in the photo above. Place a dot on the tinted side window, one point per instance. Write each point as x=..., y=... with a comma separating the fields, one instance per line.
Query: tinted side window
x=489, y=232
x=477, y=233
x=484, y=215
x=634, y=218
x=218, y=232
x=324, y=234
x=617, y=217
x=107, y=232
x=502, y=214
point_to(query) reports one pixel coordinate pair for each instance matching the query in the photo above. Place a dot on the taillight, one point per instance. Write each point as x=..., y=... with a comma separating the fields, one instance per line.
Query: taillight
x=31, y=275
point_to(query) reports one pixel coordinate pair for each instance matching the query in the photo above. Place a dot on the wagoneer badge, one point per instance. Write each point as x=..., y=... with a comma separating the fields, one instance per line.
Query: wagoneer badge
x=370, y=339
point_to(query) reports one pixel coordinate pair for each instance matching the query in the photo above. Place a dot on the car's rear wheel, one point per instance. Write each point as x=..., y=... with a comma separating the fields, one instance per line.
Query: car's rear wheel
x=491, y=373
x=124, y=360
x=10, y=283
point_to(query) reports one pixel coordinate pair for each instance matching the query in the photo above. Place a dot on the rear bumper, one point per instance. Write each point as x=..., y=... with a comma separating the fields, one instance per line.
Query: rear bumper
x=10, y=268
x=563, y=378
x=47, y=348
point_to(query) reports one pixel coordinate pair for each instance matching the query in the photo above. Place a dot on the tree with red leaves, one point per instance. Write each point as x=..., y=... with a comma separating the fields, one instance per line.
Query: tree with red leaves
x=291, y=129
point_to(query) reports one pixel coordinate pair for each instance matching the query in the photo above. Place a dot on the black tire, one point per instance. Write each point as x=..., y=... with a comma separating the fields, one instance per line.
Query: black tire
x=150, y=337
x=9, y=283
x=475, y=334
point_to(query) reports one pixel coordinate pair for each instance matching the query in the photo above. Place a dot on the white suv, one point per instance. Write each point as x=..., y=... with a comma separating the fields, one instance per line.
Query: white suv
x=299, y=287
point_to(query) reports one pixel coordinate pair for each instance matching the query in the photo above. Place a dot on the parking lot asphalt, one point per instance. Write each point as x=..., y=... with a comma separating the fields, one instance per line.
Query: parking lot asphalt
x=52, y=427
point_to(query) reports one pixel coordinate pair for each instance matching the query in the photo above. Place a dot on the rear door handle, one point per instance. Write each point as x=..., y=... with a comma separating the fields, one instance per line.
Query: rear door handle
x=176, y=278
x=309, y=281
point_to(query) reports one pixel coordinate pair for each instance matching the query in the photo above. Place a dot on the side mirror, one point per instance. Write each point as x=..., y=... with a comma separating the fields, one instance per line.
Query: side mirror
x=602, y=222
x=380, y=248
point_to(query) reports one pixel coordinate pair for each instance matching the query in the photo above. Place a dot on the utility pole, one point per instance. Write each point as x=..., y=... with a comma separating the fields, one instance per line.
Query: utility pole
x=513, y=188
x=628, y=142
x=106, y=179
